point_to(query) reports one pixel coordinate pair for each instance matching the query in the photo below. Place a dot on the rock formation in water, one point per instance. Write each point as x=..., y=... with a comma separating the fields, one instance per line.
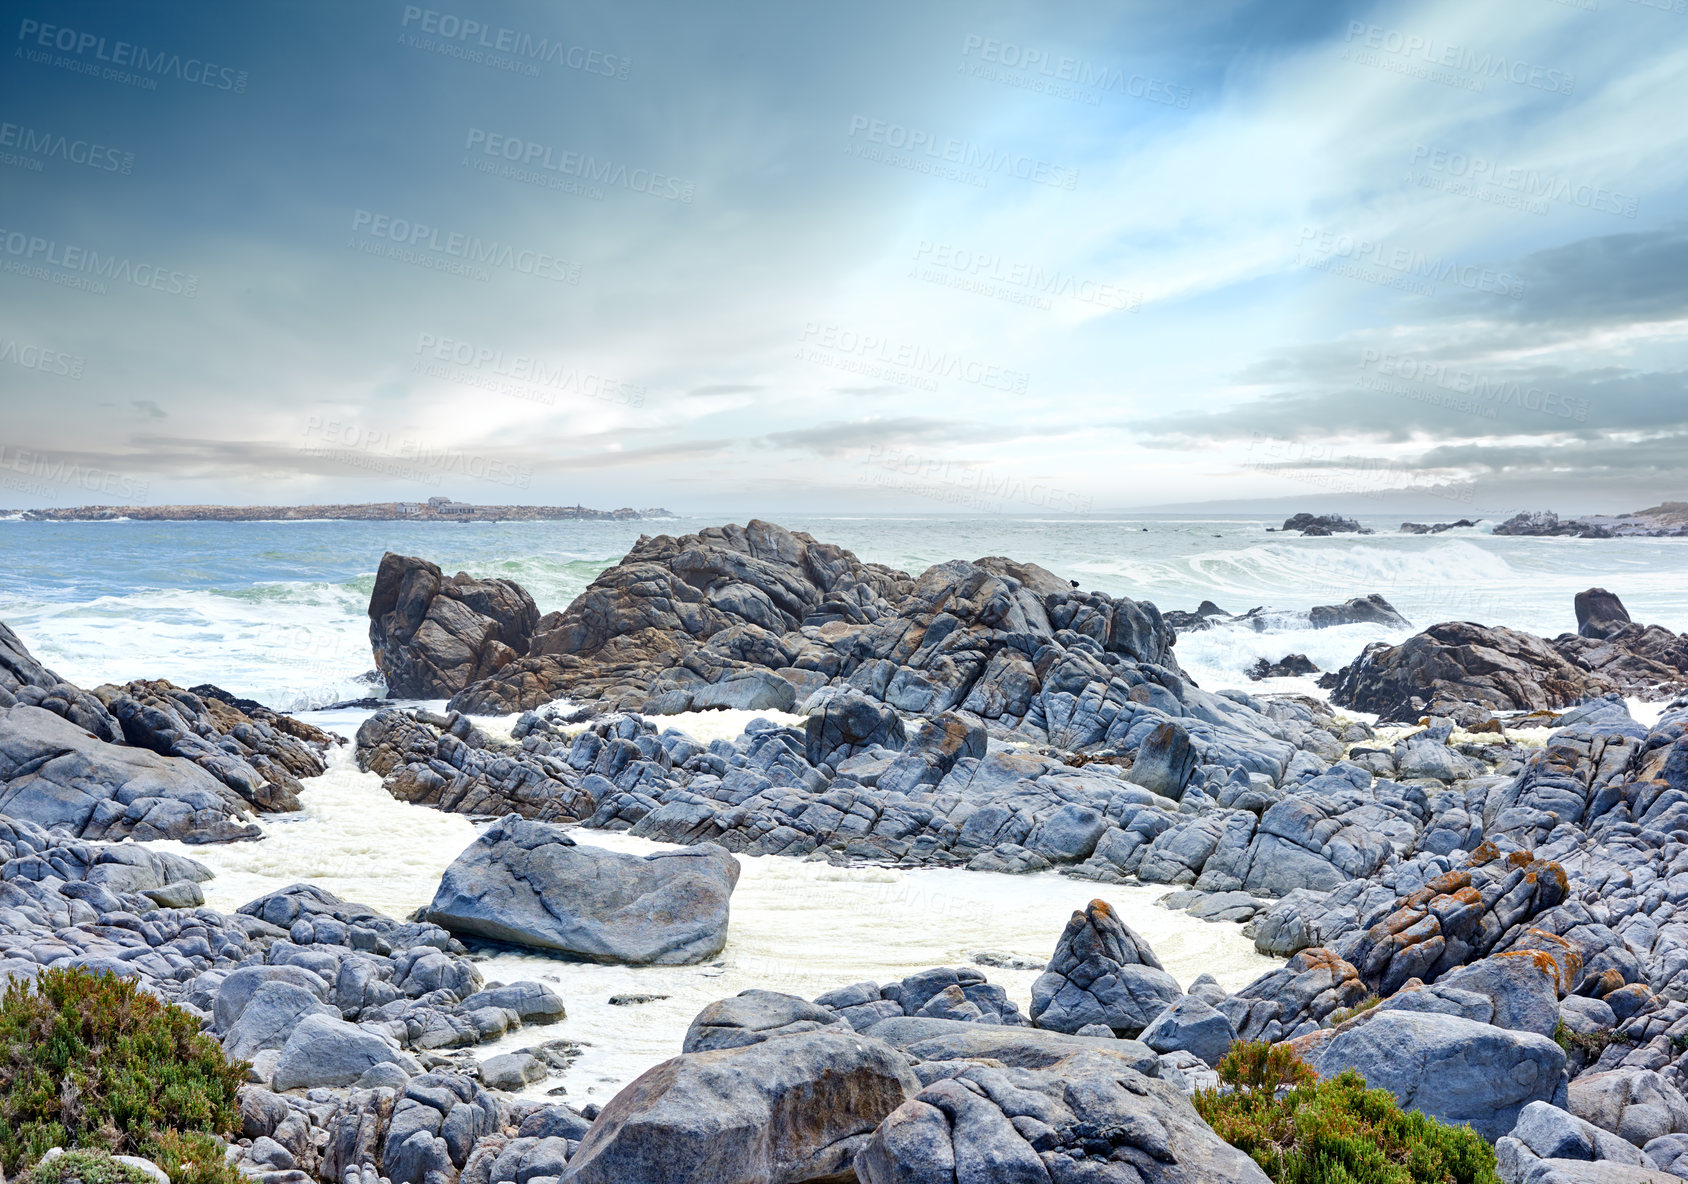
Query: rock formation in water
x=1666, y=520
x=145, y=760
x=1463, y=670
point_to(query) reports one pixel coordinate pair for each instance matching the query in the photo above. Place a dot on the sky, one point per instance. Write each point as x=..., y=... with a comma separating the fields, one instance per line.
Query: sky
x=950, y=258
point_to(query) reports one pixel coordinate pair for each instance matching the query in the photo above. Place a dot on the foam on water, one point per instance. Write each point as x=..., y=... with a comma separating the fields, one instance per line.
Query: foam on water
x=797, y=926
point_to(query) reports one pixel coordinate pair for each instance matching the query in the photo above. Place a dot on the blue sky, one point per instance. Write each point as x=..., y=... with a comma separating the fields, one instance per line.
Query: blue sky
x=759, y=257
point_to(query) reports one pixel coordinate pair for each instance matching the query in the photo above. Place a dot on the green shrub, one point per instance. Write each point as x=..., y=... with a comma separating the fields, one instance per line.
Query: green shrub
x=1302, y=1130
x=1592, y=1044
x=1343, y=1014
x=91, y=1061
x=89, y=1167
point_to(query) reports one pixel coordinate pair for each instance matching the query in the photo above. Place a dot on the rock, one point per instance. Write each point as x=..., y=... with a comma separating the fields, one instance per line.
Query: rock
x=928, y=1039
x=1600, y=614
x=445, y=762
x=241, y=985
x=512, y=1071
x=1193, y=1026
x=1436, y=528
x=1545, y=1132
x=782, y=1111
x=849, y=723
x=1362, y=610
x=1323, y=524
x=56, y=774
x=1086, y=1118
x=323, y=1051
x=1635, y=1104
x=1164, y=761
x=1289, y=666
x=1458, y=662
x=1294, y=998
x=1520, y=986
x=754, y=1016
x=1455, y=1070
x=529, y=883
x=1101, y=973
x=144, y=1165
x=25, y=680
x=433, y=635
x=269, y=1017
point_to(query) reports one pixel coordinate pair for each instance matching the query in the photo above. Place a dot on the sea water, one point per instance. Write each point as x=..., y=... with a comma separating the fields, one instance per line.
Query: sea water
x=277, y=612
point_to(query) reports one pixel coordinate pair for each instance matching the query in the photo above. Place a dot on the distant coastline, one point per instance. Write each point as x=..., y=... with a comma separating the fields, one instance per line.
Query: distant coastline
x=435, y=509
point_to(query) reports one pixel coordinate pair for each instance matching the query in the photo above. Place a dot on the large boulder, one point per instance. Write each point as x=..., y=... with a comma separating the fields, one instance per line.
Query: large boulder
x=1635, y=1104
x=60, y=776
x=1547, y=1140
x=1456, y=1070
x=1102, y=973
x=778, y=1112
x=434, y=634
x=531, y=884
x=1087, y=1118
x=324, y=1051
x=1456, y=663
x=1600, y=613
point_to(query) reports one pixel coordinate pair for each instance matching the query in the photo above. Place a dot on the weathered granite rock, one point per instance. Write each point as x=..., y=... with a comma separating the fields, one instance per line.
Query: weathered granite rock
x=1102, y=972
x=935, y=1039
x=324, y=1051
x=25, y=680
x=529, y=883
x=1600, y=614
x=56, y=774
x=1295, y=998
x=753, y=1016
x=1086, y=1118
x=434, y=634
x=1546, y=1132
x=445, y=762
x=1458, y=662
x=258, y=753
x=1454, y=1070
x=1195, y=1027
x=1634, y=1104
x=793, y=1109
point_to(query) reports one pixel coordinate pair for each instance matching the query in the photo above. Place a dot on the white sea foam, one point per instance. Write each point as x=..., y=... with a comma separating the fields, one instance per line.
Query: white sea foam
x=797, y=926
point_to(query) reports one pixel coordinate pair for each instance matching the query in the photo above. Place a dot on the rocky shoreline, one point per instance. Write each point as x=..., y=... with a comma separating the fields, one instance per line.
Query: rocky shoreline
x=1477, y=896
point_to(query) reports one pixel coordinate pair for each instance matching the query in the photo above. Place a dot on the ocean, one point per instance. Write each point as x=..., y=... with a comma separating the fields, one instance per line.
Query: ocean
x=276, y=612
